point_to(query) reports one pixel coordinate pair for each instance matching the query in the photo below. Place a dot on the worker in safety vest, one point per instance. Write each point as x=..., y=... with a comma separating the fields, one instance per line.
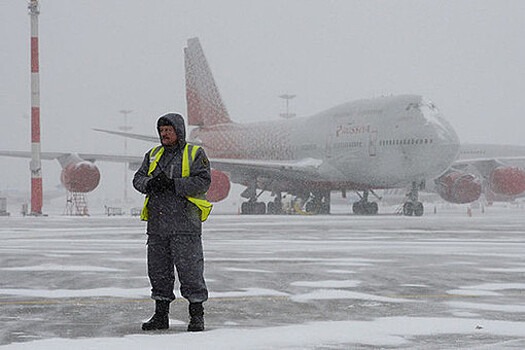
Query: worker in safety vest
x=174, y=177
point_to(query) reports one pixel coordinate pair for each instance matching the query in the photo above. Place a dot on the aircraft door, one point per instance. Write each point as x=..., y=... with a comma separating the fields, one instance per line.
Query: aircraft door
x=372, y=143
x=329, y=146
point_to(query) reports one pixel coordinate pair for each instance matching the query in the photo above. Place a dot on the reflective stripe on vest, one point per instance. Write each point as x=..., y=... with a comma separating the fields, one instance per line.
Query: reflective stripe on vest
x=200, y=201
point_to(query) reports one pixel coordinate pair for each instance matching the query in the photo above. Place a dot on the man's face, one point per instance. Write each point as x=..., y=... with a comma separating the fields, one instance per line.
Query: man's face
x=168, y=136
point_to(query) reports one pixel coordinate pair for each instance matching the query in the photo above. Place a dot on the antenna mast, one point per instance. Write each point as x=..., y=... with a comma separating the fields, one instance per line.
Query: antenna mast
x=35, y=165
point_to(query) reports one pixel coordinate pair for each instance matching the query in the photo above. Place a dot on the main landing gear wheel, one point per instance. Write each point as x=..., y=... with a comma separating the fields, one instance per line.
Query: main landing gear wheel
x=315, y=203
x=252, y=206
x=257, y=208
x=274, y=208
x=413, y=208
x=365, y=208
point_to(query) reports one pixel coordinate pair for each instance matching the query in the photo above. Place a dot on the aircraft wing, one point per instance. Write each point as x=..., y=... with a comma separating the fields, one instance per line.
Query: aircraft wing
x=308, y=167
x=142, y=137
x=472, y=152
x=490, y=163
x=245, y=168
x=26, y=154
x=485, y=157
x=130, y=135
x=111, y=158
x=86, y=156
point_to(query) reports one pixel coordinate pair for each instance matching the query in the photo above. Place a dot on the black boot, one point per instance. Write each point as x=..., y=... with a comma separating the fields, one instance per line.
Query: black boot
x=196, y=317
x=160, y=319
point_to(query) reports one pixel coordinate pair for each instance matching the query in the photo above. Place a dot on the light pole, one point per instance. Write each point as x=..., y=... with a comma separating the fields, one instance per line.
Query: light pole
x=125, y=128
x=287, y=98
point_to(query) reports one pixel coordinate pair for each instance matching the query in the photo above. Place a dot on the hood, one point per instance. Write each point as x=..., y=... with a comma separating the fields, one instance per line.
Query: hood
x=177, y=121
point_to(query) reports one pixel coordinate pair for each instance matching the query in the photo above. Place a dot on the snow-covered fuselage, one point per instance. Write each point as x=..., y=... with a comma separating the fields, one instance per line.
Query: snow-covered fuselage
x=376, y=143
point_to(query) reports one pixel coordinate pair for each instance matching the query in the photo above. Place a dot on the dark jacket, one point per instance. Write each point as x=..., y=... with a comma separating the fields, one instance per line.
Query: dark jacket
x=170, y=212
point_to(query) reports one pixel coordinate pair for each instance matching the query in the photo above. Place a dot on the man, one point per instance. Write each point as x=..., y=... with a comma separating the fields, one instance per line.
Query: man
x=174, y=222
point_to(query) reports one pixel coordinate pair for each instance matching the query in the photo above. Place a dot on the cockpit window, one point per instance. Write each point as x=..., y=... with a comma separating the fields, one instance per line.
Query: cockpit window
x=412, y=106
x=431, y=106
x=422, y=104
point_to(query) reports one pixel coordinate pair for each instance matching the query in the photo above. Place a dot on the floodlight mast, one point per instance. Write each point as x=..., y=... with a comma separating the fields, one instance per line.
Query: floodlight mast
x=35, y=165
x=287, y=97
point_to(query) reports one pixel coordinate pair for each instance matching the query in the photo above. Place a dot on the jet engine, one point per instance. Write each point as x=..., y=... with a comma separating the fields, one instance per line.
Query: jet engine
x=509, y=181
x=82, y=176
x=459, y=187
x=220, y=186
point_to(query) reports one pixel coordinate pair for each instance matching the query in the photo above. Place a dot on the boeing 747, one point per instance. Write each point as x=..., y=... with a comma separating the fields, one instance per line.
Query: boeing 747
x=385, y=142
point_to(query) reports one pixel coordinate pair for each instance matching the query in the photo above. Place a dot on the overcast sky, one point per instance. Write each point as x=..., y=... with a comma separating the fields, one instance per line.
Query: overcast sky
x=100, y=57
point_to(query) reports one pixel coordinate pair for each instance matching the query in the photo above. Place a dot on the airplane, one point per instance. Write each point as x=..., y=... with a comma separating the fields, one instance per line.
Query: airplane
x=385, y=142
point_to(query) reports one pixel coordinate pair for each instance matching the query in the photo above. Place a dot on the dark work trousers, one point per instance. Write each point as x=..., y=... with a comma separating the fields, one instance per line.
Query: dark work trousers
x=185, y=253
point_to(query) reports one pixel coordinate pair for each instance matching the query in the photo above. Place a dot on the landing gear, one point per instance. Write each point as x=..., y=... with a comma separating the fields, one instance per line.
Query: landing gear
x=252, y=206
x=307, y=203
x=318, y=203
x=412, y=205
x=276, y=206
x=257, y=208
x=363, y=206
x=413, y=208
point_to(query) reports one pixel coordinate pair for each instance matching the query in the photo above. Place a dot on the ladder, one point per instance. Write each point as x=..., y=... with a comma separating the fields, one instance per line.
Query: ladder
x=76, y=204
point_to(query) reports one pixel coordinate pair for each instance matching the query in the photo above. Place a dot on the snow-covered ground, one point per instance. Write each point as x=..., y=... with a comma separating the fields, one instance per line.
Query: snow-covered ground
x=442, y=281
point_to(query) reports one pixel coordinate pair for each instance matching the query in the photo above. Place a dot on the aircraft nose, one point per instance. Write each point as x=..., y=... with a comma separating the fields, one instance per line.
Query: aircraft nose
x=445, y=144
x=444, y=131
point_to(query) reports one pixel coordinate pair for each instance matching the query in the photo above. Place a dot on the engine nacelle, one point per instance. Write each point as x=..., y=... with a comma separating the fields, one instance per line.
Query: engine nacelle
x=459, y=187
x=220, y=186
x=80, y=177
x=508, y=181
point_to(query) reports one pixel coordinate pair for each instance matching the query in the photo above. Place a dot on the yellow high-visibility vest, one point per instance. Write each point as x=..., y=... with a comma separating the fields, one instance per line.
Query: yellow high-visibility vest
x=201, y=202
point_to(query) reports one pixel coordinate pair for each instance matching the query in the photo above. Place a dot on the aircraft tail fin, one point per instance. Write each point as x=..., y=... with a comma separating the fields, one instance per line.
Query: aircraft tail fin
x=204, y=102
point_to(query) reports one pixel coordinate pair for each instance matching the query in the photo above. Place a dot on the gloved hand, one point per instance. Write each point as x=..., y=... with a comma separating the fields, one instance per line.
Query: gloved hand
x=165, y=182
x=159, y=183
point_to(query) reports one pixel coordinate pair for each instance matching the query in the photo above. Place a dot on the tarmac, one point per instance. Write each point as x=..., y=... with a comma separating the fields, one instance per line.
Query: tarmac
x=85, y=277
